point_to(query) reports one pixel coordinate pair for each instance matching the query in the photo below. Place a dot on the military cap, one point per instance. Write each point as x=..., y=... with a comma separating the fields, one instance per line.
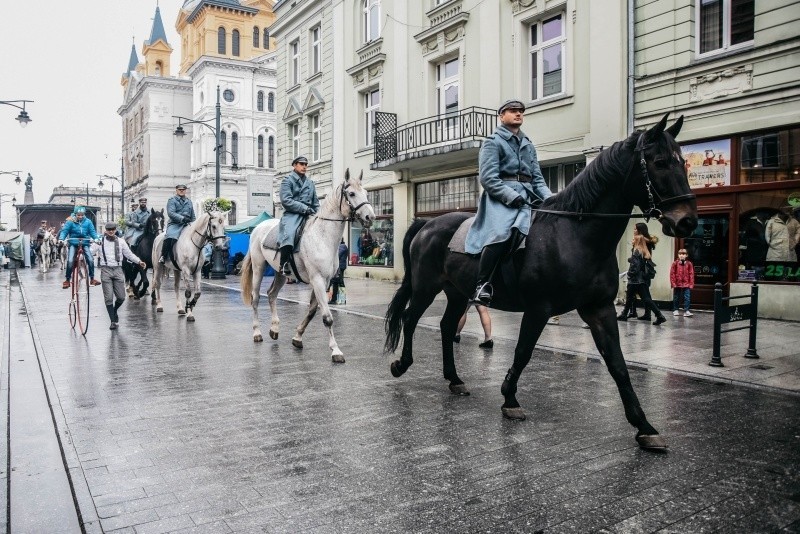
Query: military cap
x=511, y=104
x=143, y=199
x=299, y=159
x=181, y=186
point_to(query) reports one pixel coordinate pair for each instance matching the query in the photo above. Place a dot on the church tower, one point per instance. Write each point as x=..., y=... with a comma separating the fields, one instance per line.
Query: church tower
x=157, y=50
x=133, y=62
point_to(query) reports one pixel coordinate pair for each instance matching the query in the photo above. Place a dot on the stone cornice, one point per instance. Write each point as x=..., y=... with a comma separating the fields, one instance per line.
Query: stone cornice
x=155, y=82
x=293, y=14
x=211, y=62
x=443, y=18
x=369, y=56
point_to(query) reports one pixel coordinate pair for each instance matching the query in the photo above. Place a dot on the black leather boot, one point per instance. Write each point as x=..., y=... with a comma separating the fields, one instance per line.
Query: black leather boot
x=490, y=257
x=286, y=268
x=166, y=251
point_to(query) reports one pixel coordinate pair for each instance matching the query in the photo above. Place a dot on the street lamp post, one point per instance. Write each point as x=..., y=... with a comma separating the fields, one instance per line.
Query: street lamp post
x=23, y=116
x=218, y=269
x=117, y=179
x=17, y=180
x=13, y=202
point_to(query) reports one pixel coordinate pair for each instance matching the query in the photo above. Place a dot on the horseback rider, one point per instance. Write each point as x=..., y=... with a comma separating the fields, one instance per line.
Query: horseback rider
x=299, y=199
x=79, y=227
x=128, y=219
x=510, y=175
x=180, y=213
x=135, y=223
x=40, y=232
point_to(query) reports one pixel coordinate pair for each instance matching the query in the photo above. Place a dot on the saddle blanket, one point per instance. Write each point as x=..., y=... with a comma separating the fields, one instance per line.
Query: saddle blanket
x=271, y=239
x=460, y=238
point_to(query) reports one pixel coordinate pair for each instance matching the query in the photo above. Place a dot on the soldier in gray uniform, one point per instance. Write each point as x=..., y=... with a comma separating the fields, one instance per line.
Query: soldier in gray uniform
x=299, y=199
x=180, y=212
x=135, y=223
x=510, y=175
x=129, y=229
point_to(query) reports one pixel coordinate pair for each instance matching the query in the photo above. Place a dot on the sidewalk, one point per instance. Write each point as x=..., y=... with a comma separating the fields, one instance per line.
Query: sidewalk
x=681, y=345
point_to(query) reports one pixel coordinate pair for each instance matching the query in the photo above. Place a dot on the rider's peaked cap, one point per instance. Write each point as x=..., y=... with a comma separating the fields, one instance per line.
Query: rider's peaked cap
x=111, y=225
x=299, y=159
x=181, y=186
x=511, y=104
x=143, y=199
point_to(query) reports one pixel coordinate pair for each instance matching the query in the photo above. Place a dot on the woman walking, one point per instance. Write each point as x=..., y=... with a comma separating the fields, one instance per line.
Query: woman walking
x=638, y=282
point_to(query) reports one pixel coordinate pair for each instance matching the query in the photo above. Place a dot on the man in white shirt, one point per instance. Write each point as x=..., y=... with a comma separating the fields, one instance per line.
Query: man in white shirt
x=112, y=250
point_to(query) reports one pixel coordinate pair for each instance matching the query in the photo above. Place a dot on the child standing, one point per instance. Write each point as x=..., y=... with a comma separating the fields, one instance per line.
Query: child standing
x=681, y=278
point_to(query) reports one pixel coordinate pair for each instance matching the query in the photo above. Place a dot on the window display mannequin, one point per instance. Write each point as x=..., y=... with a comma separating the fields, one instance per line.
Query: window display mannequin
x=782, y=234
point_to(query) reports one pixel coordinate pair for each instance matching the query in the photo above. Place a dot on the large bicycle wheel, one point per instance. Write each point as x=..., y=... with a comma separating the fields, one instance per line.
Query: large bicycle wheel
x=80, y=277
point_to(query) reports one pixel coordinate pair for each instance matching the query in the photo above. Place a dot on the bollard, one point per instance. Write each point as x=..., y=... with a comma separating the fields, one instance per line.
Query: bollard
x=751, y=348
x=716, y=360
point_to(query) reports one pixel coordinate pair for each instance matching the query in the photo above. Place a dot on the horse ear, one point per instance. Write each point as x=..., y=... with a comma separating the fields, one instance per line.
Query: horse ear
x=361, y=176
x=656, y=131
x=347, y=175
x=675, y=129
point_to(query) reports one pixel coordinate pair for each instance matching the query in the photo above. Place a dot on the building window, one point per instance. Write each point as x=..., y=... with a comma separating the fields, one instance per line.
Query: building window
x=235, y=148
x=372, y=104
x=271, y=152
x=316, y=51
x=260, y=151
x=557, y=177
x=547, y=52
x=221, y=40
x=447, y=84
x=271, y=102
x=228, y=95
x=256, y=36
x=443, y=196
x=223, y=144
x=260, y=101
x=316, y=137
x=294, y=136
x=372, y=20
x=769, y=156
x=724, y=24
x=158, y=68
x=294, y=61
x=768, y=228
x=235, y=42
x=375, y=246
x=266, y=39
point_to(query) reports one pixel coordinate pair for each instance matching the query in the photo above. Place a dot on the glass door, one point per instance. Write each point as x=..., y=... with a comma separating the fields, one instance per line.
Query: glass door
x=447, y=91
x=708, y=248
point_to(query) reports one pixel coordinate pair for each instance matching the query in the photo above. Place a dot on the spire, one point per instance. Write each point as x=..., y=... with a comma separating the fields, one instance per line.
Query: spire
x=158, y=29
x=133, y=61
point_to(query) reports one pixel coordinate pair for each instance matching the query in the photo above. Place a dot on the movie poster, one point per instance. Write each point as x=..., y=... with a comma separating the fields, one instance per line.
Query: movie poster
x=708, y=164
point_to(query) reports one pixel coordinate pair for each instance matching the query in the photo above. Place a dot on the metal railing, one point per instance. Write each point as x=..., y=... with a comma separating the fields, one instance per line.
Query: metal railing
x=468, y=124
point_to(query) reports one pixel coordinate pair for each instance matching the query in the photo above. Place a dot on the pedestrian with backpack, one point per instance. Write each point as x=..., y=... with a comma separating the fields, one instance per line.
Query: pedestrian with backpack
x=641, y=271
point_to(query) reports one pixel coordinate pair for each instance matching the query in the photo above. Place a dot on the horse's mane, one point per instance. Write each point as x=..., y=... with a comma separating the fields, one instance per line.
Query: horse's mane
x=585, y=190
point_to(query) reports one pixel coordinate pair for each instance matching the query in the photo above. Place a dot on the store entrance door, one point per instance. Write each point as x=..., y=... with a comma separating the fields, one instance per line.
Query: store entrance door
x=708, y=248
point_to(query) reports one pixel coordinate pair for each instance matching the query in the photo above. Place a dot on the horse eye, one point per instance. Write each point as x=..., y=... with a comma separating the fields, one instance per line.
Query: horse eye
x=660, y=163
x=351, y=194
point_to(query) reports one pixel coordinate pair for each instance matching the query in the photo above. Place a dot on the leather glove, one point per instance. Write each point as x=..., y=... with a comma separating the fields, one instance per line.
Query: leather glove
x=309, y=211
x=517, y=203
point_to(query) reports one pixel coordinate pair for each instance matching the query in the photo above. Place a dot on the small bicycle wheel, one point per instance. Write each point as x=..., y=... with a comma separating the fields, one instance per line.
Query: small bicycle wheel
x=73, y=313
x=81, y=274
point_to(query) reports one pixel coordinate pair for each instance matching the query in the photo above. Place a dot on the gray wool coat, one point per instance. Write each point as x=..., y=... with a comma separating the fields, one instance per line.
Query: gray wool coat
x=298, y=194
x=180, y=212
x=504, y=154
x=134, y=225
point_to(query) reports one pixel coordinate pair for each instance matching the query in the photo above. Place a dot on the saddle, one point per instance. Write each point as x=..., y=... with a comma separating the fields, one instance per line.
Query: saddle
x=459, y=239
x=270, y=241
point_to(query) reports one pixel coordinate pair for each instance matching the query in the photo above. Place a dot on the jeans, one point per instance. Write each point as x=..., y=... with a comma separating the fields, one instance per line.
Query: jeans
x=676, y=297
x=71, y=258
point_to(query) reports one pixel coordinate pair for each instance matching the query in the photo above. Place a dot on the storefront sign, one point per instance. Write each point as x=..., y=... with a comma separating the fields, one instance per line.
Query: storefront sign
x=782, y=271
x=259, y=195
x=708, y=164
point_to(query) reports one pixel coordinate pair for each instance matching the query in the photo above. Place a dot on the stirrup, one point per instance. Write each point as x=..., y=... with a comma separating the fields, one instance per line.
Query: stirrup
x=286, y=269
x=483, y=294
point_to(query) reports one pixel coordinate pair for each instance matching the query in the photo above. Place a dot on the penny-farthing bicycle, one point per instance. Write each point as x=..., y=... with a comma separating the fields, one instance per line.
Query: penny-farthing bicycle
x=79, y=305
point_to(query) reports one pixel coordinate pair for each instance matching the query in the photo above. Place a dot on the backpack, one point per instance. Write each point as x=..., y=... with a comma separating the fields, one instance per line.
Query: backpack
x=649, y=269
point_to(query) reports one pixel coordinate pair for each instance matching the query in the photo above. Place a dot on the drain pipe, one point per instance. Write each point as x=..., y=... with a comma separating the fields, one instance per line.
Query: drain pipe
x=631, y=66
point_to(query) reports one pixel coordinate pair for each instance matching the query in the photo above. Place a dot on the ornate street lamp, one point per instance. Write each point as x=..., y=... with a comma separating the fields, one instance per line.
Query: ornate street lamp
x=17, y=180
x=117, y=179
x=23, y=116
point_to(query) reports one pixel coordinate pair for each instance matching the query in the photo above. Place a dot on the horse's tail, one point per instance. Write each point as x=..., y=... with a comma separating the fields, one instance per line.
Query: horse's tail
x=395, y=315
x=246, y=280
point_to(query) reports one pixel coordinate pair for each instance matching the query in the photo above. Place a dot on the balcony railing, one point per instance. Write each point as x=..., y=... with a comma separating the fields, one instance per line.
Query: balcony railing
x=468, y=124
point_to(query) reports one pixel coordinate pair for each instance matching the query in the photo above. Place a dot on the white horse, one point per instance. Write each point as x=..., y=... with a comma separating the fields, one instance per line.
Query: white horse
x=316, y=259
x=45, y=259
x=188, y=254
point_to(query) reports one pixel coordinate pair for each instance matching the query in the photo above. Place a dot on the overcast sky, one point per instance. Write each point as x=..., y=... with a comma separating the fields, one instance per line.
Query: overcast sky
x=68, y=57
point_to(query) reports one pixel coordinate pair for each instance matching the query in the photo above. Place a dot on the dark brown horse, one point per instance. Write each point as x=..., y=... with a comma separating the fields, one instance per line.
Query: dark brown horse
x=135, y=276
x=569, y=262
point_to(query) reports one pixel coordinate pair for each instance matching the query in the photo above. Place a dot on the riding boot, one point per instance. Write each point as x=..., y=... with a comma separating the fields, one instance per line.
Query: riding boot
x=490, y=258
x=166, y=251
x=286, y=252
x=117, y=304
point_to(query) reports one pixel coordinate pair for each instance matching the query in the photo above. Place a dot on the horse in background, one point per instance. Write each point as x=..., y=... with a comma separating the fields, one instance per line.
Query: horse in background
x=44, y=251
x=316, y=259
x=187, y=253
x=135, y=276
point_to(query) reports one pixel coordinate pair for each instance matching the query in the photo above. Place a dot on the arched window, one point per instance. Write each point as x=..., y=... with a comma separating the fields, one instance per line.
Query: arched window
x=260, y=150
x=256, y=36
x=260, y=101
x=223, y=143
x=271, y=102
x=235, y=42
x=372, y=20
x=158, y=68
x=235, y=147
x=221, y=40
x=271, y=152
x=232, y=213
x=266, y=39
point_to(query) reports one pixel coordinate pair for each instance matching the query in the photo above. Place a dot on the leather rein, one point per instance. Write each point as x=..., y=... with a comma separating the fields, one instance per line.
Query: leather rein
x=353, y=209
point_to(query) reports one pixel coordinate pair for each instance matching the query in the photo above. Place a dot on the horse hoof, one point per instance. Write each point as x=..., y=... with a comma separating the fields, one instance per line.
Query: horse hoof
x=190, y=318
x=459, y=389
x=273, y=334
x=337, y=358
x=181, y=312
x=652, y=442
x=395, y=369
x=258, y=338
x=515, y=414
x=298, y=344
x=159, y=309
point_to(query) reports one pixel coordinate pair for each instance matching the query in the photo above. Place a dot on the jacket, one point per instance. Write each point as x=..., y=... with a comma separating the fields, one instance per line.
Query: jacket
x=74, y=230
x=636, y=270
x=681, y=276
x=781, y=237
x=135, y=222
x=343, y=253
x=180, y=212
x=298, y=194
x=504, y=154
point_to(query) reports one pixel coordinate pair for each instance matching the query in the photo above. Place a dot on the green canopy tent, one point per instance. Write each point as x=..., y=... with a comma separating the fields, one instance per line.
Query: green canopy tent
x=247, y=226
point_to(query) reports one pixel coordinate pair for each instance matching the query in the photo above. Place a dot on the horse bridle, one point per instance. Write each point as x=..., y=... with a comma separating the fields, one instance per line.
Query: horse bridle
x=353, y=209
x=206, y=234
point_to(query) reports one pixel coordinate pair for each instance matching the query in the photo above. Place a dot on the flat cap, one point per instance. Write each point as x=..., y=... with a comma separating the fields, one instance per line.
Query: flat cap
x=181, y=186
x=111, y=225
x=511, y=104
x=299, y=159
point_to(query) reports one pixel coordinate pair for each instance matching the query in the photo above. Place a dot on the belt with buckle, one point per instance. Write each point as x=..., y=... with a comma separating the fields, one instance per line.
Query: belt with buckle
x=518, y=178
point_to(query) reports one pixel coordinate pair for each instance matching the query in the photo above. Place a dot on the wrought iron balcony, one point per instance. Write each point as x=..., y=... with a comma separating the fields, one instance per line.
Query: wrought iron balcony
x=464, y=129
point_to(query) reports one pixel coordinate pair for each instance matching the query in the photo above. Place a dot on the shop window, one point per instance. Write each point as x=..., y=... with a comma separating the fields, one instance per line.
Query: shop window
x=769, y=236
x=442, y=196
x=375, y=245
x=770, y=156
